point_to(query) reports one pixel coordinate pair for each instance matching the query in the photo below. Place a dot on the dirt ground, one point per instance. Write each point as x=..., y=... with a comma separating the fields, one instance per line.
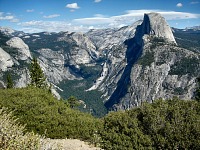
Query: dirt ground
x=69, y=144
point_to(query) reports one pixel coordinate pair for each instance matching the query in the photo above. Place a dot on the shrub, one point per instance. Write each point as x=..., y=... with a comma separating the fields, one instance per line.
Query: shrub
x=121, y=132
x=170, y=124
x=12, y=134
x=43, y=114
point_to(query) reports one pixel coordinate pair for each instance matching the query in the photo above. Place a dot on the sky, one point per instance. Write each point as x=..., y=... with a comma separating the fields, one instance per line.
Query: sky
x=82, y=15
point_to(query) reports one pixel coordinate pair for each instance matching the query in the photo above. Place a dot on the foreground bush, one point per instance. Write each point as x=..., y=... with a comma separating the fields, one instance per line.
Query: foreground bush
x=44, y=114
x=170, y=124
x=12, y=136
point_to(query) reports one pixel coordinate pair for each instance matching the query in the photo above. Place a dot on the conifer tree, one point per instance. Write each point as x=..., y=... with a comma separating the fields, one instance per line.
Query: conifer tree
x=73, y=102
x=38, y=78
x=198, y=90
x=9, y=81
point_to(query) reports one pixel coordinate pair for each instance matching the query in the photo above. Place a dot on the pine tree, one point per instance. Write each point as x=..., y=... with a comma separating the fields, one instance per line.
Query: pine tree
x=38, y=78
x=9, y=81
x=73, y=102
x=198, y=90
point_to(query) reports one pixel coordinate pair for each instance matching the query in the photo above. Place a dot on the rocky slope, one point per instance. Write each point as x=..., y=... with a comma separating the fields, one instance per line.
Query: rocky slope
x=6, y=60
x=154, y=67
x=136, y=63
x=14, y=58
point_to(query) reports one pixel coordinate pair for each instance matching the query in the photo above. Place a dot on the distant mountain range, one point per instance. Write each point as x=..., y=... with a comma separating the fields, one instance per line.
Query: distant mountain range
x=109, y=69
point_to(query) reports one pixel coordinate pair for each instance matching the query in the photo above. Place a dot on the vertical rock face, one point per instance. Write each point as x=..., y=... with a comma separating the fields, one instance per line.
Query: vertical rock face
x=155, y=24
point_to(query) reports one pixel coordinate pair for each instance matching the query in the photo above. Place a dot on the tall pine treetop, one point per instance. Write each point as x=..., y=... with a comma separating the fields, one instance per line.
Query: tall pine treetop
x=38, y=78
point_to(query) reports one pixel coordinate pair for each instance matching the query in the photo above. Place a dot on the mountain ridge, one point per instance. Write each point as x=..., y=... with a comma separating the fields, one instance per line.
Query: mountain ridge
x=116, y=62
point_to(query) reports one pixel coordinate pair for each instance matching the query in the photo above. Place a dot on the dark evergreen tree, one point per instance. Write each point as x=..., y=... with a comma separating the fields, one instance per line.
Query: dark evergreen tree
x=38, y=78
x=198, y=90
x=73, y=102
x=9, y=81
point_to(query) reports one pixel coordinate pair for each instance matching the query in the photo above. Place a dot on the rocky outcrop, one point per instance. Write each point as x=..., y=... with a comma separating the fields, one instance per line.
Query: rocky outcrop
x=22, y=49
x=155, y=24
x=23, y=78
x=5, y=60
x=2, y=85
x=105, y=39
x=85, y=45
x=52, y=64
x=165, y=76
x=7, y=31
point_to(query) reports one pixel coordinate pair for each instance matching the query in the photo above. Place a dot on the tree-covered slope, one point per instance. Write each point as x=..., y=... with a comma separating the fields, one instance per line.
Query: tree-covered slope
x=44, y=114
x=169, y=124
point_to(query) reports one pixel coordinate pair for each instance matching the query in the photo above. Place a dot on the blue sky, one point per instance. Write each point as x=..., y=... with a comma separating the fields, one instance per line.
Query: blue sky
x=82, y=15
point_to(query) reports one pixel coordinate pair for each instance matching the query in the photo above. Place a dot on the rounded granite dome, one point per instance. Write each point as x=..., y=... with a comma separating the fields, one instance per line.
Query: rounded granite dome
x=155, y=24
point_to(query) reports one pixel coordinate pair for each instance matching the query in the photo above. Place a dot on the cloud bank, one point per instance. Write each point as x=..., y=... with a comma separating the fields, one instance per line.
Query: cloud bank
x=9, y=17
x=133, y=15
x=99, y=21
x=52, y=16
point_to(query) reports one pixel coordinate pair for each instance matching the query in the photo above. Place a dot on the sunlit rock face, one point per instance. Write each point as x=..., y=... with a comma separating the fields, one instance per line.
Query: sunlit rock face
x=22, y=48
x=5, y=60
x=155, y=24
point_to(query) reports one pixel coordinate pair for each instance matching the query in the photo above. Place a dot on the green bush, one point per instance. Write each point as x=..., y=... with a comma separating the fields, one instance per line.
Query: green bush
x=170, y=124
x=12, y=136
x=121, y=132
x=44, y=114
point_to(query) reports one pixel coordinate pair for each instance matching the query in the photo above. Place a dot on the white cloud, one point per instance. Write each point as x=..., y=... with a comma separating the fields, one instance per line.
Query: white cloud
x=93, y=20
x=133, y=15
x=99, y=15
x=8, y=17
x=30, y=10
x=73, y=6
x=14, y=20
x=97, y=1
x=101, y=21
x=50, y=26
x=179, y=5
x=52, y=16
x=194, y=2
